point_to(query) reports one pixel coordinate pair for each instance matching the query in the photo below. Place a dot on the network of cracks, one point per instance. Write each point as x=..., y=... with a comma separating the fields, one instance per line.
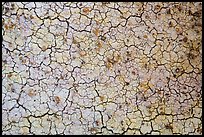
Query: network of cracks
x=101, y=68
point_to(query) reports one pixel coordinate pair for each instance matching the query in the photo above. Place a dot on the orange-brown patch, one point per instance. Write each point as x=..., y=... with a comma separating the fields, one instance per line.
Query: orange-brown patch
x=44, y=48
x=147, y=17
x=102, y=98
x=9, y=75
x=99, y=44
x=86, y=10
x=31, y=93
x=97, y=22
x=116, y=58
x=185, y=39
x=168, y=126
x=31, y=17
x=11, y=26
x=108, y=65
x=93, y=129
x=6, y=26
x=57, y=99
x=97, y=122
x=96, y=31
x=157, y=7
x=74, y=41
x=61, y=77
x=82, y=53
x=23, y=61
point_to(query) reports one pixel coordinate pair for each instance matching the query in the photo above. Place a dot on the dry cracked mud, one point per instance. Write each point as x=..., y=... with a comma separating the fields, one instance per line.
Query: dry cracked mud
x=101, y=68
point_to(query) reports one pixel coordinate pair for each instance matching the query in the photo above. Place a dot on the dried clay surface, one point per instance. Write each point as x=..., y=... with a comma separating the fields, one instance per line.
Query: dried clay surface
x=101, y=68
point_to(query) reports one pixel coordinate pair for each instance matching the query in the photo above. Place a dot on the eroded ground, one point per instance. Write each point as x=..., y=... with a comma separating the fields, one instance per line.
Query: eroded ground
x=101, y=68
